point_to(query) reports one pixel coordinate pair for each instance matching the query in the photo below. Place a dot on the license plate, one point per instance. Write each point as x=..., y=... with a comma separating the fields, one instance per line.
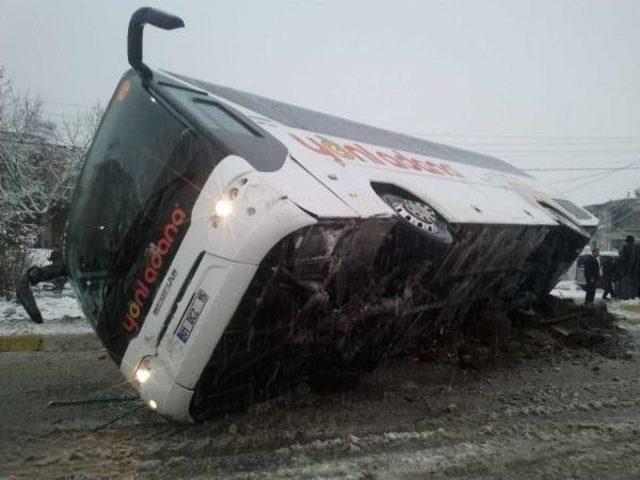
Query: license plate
x=191, y=314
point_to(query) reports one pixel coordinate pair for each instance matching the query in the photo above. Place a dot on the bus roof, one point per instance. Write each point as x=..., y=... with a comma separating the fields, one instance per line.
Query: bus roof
x=322, y=123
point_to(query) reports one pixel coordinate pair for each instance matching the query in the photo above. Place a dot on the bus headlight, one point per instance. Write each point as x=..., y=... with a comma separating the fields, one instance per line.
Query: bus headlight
x=223, y=208
x=143, y=373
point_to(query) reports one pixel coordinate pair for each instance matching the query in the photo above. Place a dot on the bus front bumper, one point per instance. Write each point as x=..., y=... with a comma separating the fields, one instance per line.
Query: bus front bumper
x=167, y=374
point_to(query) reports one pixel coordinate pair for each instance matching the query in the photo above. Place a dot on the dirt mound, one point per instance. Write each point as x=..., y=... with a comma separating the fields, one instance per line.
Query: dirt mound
x=549, y=324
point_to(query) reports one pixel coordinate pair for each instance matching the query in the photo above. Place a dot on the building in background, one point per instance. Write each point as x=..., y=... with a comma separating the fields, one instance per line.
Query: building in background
x=618, y=218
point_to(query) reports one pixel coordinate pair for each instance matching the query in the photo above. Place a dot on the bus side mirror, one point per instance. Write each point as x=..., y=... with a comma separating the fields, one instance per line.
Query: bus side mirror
x=34, y=276
x=140, y=17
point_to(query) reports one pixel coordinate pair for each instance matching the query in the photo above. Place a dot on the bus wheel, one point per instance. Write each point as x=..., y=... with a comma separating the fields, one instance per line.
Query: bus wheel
x=420, y=217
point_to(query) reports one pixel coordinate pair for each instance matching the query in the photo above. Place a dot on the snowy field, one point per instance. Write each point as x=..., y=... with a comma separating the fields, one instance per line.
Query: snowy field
x=60, y=310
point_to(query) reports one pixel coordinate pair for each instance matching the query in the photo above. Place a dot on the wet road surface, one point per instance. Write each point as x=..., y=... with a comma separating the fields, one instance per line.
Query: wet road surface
x=559, y=413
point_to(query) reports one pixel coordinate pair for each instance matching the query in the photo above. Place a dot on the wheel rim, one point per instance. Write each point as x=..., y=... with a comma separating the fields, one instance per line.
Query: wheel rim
x=418, y=214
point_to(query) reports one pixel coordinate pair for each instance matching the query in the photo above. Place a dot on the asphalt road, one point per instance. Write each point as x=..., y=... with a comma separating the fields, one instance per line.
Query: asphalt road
x=554, y=412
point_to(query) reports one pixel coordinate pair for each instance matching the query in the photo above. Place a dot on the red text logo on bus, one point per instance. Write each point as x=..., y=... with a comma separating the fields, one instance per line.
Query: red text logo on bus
x=145, y=284
x=342, y=153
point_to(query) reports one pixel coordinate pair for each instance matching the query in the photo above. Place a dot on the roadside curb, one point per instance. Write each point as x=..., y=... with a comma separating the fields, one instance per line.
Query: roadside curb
x=72, y=342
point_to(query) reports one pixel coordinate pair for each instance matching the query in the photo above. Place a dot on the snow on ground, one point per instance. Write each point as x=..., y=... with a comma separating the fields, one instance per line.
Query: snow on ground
x=39, y=257
x=627, y=310
x=570, y=289
x=60, y=311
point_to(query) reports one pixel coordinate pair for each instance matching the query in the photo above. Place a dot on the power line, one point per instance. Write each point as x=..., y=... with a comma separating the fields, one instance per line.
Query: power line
x=565, y=152
x=542, y=137
x=578, y=169
x=542, y=142
x=603, y=176
x=66, y=104
x=573, y=179
x=59, y=114
x=561, y=151
x=38, y=144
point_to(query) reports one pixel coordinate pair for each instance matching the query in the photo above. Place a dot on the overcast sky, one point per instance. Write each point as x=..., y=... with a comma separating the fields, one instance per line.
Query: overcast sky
x=541, y=84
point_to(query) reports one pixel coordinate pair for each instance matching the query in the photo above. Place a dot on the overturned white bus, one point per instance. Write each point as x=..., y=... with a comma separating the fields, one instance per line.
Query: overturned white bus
x=225, y=245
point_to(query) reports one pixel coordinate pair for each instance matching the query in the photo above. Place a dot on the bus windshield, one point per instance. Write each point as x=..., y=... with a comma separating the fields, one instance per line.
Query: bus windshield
x=143, y=166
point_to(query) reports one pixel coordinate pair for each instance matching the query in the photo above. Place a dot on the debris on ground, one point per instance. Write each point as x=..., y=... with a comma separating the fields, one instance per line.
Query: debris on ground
x=551, y=324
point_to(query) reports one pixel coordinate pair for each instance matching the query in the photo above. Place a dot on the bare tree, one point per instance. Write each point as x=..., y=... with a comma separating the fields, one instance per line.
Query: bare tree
x=39, y=165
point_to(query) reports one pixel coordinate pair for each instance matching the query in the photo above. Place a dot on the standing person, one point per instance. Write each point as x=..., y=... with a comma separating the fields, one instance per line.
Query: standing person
x=637, y=270
x=628, y=266
x=591, y=275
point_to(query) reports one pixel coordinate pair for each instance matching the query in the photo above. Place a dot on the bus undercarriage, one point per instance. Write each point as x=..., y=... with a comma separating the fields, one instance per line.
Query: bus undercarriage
x=338, y=298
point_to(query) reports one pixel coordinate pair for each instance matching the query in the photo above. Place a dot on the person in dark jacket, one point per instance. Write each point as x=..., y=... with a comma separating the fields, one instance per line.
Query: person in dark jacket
x=591, y=275
x=637, y=269
x=628, y=269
